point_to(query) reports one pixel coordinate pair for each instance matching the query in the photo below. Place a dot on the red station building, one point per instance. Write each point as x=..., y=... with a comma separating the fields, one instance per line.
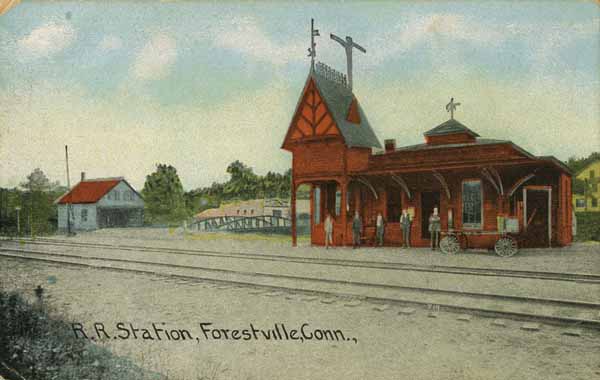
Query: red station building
x=481, y=186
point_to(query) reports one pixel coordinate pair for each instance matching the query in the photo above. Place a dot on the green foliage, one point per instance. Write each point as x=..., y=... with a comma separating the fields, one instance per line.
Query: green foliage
x=588, y=226
x=576, y=164
x=35, y=199
x=37, y=181
x=243, y=184
x=164, y=197
x=41, y=347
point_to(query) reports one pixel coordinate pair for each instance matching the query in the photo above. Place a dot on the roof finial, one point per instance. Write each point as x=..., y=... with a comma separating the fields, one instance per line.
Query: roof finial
x=312, y=50
x=348, y=44
x=451, y=107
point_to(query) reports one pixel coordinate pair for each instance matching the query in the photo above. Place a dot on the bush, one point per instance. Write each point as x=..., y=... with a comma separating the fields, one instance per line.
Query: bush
x=588, y=226
x=40, y=347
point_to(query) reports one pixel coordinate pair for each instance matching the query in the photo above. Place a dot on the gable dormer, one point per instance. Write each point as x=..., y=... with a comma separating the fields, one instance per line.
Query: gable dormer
x=329, y=111
x=450, y=132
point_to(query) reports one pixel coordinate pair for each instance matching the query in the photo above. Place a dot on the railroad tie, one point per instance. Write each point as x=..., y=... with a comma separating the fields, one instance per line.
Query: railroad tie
x=406, y=311
x=383, y=307
x=531, y=327
x=572, y=332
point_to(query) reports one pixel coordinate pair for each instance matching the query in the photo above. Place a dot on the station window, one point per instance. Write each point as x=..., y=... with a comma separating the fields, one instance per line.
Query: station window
x=317, y=204
x=84, y=215
x=338, y=203
x=472, y=204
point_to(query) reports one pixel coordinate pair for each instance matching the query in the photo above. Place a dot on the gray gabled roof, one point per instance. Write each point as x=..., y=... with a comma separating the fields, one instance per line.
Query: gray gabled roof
x=338, y=98
x=450, y=127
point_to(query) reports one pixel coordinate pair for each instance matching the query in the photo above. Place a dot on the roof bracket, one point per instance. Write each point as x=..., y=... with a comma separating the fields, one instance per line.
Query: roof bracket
x=442, y=181
x=368, y=184
x=400, y=181
x=487, y=175
x=520, y=182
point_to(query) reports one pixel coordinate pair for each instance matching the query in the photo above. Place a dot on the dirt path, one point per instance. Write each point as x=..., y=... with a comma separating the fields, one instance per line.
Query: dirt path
x=389, y=345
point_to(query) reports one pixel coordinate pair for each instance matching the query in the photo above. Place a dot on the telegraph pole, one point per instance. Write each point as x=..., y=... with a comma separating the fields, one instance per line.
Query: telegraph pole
x=69, y=189
x=18, y=210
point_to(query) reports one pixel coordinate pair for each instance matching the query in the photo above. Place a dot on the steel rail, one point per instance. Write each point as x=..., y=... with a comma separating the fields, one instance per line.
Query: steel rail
x=559, y=320
x=473, y=271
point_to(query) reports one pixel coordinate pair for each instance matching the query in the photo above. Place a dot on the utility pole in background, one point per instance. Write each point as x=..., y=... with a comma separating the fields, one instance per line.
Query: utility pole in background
x=18, y=210
x=69, y=187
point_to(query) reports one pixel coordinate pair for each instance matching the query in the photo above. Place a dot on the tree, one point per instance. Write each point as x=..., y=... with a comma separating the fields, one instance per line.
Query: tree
x=163, y=196
x=576, y=164
x=243, y=183
x=37, y=181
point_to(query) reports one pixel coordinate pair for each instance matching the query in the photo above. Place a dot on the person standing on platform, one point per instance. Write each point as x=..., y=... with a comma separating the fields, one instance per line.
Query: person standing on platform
x=405, y=223
x=328, y=231
x=380, y=225
x=356, y=230
x=434, y=228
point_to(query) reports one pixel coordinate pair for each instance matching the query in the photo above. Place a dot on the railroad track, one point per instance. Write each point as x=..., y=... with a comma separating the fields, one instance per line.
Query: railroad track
x=478, y=303
x=495, y=272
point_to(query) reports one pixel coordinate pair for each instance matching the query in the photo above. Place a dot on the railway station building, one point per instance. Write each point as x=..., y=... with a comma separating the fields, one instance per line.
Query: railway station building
x=482, y=187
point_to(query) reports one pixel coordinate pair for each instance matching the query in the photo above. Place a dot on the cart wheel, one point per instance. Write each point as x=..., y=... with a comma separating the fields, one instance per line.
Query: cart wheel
x=506, y=246
x=449, y=245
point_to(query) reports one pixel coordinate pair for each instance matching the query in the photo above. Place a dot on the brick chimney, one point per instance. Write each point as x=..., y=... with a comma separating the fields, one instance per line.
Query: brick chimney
x=82, y=176
x=390, y=145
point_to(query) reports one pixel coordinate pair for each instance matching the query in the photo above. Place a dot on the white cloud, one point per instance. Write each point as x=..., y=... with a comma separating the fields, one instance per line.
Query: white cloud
x=127, y=135
x=434, y=28
x=155, y=59
x=546, y=117
x=110, y=43
x=244, y=35
x=47, y=40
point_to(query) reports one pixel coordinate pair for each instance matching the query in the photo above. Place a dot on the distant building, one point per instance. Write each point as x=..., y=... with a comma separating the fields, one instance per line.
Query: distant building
x=101, y=203
x=252, y=207
x=588, y=201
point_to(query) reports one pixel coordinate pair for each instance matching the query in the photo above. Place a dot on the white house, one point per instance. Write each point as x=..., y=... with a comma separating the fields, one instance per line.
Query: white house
x=101, y=203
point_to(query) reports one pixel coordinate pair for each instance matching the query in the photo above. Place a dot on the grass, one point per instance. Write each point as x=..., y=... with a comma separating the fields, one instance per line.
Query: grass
x=588, y=226
x=36, y=344
x=243, y=237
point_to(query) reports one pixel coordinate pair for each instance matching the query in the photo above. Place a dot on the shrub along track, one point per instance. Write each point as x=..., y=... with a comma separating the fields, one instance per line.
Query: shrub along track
x=556, y=311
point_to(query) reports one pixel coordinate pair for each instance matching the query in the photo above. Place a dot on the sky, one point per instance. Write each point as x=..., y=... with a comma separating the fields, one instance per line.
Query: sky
x=197, y=84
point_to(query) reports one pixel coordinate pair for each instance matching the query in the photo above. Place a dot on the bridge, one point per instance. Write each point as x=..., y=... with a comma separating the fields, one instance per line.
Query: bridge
x=258, y=223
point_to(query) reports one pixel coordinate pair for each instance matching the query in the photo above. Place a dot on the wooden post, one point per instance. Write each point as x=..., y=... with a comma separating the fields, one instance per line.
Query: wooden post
x=293, y=216
x=549, y=216
x=344, y=210
x=525, y=209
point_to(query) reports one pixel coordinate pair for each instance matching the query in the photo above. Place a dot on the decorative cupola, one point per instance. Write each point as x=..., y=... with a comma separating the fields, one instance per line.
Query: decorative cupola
x=451, y=131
